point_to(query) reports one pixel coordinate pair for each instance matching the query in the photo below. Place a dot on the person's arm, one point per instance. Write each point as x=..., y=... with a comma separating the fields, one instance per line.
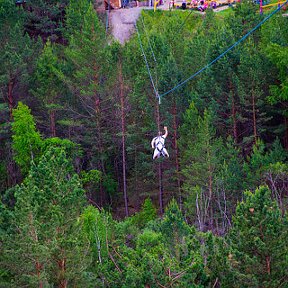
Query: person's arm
x=153, y=143
x=166, y=132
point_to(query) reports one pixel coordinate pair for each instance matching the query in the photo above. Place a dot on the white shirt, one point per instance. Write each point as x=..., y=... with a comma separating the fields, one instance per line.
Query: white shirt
x=158, y=142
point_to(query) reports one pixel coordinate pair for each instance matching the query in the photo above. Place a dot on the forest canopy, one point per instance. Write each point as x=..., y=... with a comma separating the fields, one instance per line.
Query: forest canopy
x=82, y=202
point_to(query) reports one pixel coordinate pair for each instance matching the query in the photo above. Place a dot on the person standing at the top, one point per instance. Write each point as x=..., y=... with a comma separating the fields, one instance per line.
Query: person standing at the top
x=158, y=143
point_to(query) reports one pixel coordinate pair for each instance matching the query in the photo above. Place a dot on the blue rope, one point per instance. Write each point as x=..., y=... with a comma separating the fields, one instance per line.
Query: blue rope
x=223, y=54
x=146, y=62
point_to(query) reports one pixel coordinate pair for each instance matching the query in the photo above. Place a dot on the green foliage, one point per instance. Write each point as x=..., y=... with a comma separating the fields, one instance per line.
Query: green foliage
x=45, y=19
x=244, y=18
x=27, y=142
x=218, y=268
x=200, y=163
x=259, y=162
x=47, y=80
x=92, y=176
x=98, y=232
x=147, y=213
x=46, y=238
x=251, y=68
x=174, y=228
x=110, y=184
x=72, y=149
x=48, y=234
x=75, y=14
x=259, y=241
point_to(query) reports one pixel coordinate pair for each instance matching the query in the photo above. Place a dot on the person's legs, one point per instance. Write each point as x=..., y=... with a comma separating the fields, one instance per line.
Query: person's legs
x=156, y=154
x=165, y=153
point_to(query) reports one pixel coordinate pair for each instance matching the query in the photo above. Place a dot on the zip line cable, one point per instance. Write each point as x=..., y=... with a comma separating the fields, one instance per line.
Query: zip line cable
x=152, y=52
x=180, y=27
x=156, y=74
x=224, y=53
x=147, y=65
x=150, y=46
x=159, y=96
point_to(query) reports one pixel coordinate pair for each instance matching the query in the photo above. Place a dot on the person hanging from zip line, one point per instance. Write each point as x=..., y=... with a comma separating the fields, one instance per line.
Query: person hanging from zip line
x=157, y=143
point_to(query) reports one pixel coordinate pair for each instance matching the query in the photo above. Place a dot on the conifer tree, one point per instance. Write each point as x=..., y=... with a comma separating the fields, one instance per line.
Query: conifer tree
x=45, y=19
x=173, y=224
x=278, y=55
x=46, y=236
x=17, y=51
x=259, y=161
x=229, y=183
x=147, y=213
x=217, y=86
x=87, y=73
x=48, y=87
x=200, y=166
x=244, y=18
x=17, y=59
x=259, y=242
x=253, y=82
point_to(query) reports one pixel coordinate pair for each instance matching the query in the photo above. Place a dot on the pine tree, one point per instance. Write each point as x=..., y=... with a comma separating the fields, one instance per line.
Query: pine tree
x=174, y=228
x=46, y=239
x=279, y=95
x=147, y=213
x=17, y=51
x=86, y=75
x=252, y=71
x=217, y=86
x=75, y=14
x=259, y=161
x=49, y=87
x=45, y=19
x=259, y=242
x=244, y=18
x=17, y=59
x=229, y=183
x=200, y=166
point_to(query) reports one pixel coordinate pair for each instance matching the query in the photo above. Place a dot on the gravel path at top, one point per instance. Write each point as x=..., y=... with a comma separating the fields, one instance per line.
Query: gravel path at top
x=122, y=22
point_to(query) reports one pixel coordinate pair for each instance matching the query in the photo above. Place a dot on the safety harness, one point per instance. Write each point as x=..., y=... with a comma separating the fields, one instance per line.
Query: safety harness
x=161, y=144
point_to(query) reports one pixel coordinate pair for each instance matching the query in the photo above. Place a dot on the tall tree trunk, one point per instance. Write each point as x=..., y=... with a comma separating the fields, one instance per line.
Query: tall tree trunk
x=38, y=271
x=234, y=111
x=11, y=168
x=160, y=188
x=254, y=119
x=268, y=265
x=52, y=123
x=286, y=133
x=38, y=265
x=123, y=139
x=62, y=267
x=99, y=134
x=100, y=146
x=210, y=185
x=175, y=126
x=210, y=189
x=10, y=97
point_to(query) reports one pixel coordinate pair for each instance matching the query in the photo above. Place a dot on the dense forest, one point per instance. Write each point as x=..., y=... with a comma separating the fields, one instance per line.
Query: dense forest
x=82, y=202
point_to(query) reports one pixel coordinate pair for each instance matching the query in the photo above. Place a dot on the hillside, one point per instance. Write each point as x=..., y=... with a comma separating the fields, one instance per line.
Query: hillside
x=83, y=202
